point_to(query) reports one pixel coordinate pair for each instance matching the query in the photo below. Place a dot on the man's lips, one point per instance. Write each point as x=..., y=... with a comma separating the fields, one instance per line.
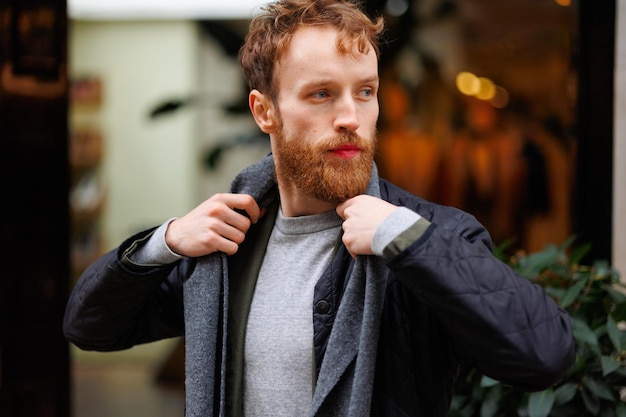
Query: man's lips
x=346, y=151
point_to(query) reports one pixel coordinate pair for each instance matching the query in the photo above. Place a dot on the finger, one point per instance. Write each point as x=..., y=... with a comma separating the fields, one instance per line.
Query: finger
x=246, y=205
x=341, y=208
x=228, y=247
x=236, y=218
x=348, y=249
x=223, y=238
x=231, y=233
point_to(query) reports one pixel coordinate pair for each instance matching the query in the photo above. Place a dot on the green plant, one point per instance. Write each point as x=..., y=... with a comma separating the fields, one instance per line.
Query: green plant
x=595, y=385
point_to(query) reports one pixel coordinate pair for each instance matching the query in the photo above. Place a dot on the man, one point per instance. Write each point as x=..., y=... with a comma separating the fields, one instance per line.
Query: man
x=315, y=287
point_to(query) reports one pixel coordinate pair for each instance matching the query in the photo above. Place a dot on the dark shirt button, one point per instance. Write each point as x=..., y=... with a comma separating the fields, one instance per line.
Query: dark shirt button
x=322, y=307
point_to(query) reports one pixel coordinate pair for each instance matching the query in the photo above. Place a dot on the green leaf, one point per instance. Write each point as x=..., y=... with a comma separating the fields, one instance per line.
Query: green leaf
x=616, y=293
x=486, y=382
x=614, y=333
x=592, y=403
x=620, y=373
x=540, y=403
x=534, y=263
x=556, y=293
x=577, y=367
x=500, y=251
x=489, y=406
x=578, y=253
x=598, y=388
x=619, y=311
x=620, y=410
x=609, y=365
x=565, y=393
x=456, y=405
x=583, y=333
x=572, y=293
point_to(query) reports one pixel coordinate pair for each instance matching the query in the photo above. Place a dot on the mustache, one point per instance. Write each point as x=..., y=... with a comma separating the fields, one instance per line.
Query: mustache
x=350, y=138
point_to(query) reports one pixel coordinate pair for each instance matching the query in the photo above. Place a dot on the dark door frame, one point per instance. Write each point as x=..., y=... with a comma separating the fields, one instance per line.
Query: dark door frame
x=593, y=194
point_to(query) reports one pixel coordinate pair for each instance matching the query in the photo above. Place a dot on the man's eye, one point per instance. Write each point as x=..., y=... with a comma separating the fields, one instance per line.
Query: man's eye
x=320, y=94
x=368, y=92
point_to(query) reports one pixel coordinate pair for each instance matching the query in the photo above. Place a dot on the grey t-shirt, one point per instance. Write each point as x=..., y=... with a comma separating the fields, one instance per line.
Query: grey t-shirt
x=278, y=356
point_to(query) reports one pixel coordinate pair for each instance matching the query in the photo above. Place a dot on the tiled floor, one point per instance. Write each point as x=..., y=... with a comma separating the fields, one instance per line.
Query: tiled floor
x=123, y=384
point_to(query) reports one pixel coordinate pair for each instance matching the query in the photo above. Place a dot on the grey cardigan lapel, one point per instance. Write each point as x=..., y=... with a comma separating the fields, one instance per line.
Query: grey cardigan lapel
x=347, y=373
x=349, y=363
x=205, y=295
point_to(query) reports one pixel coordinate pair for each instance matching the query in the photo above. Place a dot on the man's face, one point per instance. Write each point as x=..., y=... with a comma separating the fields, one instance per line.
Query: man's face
x=327, y=109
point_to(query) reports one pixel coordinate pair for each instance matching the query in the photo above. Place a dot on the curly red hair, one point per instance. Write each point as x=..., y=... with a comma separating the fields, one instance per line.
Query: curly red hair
x=271, y=31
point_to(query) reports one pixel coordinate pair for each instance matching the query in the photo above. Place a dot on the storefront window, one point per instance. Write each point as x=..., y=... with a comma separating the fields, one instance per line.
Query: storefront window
x=477, y=109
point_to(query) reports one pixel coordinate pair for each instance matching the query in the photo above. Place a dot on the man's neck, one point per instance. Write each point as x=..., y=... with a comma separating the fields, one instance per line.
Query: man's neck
x=294, y=203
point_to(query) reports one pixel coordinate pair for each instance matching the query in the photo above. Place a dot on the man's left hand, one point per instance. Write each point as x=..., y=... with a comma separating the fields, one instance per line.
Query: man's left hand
x=362, y=215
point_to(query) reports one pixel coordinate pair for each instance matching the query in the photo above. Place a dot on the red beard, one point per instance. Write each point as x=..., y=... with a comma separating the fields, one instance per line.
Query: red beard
x=318, y=174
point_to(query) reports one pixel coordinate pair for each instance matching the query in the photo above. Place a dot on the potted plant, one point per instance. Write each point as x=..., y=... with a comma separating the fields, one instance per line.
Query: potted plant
x=595, y=385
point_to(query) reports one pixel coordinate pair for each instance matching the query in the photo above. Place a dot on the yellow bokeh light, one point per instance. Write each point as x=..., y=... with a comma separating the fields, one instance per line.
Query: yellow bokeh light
x=564, y=3
x=467, y=83
x=482, y=88
x=487, y=89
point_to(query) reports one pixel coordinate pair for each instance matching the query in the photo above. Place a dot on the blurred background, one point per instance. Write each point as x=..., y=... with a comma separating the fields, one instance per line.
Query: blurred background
x=117, y=115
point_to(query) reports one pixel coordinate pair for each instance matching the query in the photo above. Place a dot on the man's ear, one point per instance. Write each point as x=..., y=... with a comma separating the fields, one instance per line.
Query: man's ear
x=263, y=111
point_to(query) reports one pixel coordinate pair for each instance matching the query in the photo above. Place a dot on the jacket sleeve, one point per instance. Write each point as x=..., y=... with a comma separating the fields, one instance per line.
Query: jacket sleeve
x=499, y=322
x=116, y=305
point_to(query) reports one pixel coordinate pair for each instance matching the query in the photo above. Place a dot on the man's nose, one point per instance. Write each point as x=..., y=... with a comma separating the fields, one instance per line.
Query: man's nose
x=347, y=116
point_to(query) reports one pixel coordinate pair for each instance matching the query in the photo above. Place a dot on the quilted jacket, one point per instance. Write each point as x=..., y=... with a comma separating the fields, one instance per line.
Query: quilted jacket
x=448, y=302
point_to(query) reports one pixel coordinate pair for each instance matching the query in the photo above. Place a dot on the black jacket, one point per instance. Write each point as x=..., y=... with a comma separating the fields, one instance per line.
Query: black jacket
x=448, y=301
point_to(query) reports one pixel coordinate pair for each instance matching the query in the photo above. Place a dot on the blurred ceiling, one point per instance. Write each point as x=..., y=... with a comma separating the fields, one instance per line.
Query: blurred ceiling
x=162, y=9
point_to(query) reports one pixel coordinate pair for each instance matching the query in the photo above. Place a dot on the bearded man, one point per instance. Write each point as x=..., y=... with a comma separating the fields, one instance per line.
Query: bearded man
x=315, y=287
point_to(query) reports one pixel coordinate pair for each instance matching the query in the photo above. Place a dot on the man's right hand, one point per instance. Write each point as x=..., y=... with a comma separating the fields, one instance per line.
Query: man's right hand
x=213, y=226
